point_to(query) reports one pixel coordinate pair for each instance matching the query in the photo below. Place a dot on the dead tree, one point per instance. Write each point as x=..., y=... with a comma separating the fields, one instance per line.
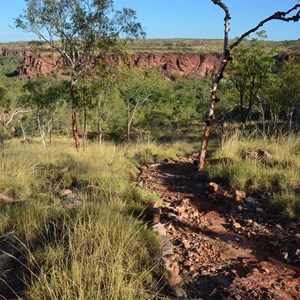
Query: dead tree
x=280, y=15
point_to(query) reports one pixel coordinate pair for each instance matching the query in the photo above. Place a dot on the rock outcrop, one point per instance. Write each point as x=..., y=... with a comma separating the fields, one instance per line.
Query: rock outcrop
x=37, y=65
x=182, y=64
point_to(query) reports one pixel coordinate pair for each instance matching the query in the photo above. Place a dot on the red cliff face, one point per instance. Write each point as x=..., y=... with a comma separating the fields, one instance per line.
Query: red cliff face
x=170, y=63
x=183, y=64
x=33, y=66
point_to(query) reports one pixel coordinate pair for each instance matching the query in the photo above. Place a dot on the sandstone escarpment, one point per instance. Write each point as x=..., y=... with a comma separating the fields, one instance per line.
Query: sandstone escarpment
x=182, y=64
x=38, y=65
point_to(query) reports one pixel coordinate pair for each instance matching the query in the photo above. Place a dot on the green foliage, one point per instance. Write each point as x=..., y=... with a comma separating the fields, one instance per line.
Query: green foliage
x=249, y=72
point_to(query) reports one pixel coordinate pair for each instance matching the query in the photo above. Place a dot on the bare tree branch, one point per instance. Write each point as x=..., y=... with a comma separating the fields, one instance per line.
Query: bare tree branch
x=280, y=15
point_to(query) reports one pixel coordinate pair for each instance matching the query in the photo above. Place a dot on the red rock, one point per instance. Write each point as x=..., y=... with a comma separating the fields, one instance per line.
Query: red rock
x=174, y=275
x=186, y=244
x=240, y=195
x=187, y=263
x=182, y=64
x=213, y=187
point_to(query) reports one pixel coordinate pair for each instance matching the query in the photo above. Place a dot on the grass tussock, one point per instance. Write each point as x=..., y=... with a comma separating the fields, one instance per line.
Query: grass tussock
x=277, y=177
x=97, y=249
x=102, y=253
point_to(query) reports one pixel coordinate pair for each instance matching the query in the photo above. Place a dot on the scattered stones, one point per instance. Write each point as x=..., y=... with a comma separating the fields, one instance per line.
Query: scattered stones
x=225, y=239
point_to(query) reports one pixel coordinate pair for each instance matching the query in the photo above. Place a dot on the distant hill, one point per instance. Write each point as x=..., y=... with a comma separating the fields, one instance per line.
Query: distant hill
x=196, y=46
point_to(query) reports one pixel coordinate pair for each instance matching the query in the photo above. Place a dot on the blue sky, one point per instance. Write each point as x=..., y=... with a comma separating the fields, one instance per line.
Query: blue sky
x=181, y=18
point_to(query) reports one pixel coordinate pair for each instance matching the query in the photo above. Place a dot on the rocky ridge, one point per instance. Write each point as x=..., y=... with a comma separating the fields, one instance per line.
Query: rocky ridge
x=182, y=64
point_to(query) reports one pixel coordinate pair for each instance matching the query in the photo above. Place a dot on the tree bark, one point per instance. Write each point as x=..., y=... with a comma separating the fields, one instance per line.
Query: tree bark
x=23, y=130
x=128, y=131
x=214, y=98
x=42, y=131
x=242, y=108
x=262, y=109
x=84, y=128
x=100, y=132
x=74, y=116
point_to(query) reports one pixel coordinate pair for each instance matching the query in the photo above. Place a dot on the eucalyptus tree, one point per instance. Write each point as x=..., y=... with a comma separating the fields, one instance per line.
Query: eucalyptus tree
x=288, y=89
x=138, y=88
x=291, y=15
x=83, y=32
x=44, y=97
x=249, y=72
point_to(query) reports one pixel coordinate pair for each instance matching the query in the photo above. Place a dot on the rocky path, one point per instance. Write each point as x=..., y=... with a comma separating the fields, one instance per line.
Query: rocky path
x=217, y=245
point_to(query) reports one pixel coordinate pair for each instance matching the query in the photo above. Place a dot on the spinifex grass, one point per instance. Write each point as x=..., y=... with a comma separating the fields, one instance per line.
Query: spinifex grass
x=94, y=250
x=277, y=177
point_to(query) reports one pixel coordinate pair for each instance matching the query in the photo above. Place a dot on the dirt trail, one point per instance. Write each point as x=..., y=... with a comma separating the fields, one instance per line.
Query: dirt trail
x=222, y=248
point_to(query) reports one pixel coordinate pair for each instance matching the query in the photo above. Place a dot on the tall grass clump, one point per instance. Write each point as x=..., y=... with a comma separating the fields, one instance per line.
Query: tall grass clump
x=94, y=248
x=101, y=253
x=276, y=176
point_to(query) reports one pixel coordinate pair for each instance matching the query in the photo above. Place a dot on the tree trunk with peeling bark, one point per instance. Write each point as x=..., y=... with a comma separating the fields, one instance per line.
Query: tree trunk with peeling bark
x=74, y=116
x=100, y=133
x=283, y=16
x=214, y=98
